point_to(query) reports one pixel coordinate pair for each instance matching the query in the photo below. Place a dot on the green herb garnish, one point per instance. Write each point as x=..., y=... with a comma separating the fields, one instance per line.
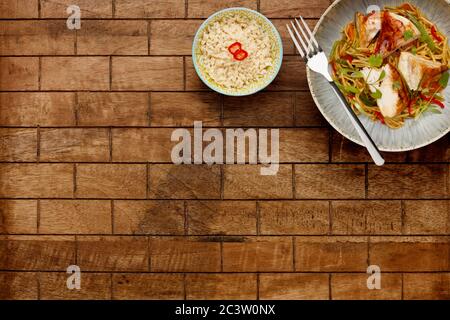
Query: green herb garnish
x=408, y=35
x=377, y=94
x=443, y=81
x=376, y=61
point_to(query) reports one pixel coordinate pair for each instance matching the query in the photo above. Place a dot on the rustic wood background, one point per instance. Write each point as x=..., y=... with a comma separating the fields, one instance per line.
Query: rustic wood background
x=86, y=176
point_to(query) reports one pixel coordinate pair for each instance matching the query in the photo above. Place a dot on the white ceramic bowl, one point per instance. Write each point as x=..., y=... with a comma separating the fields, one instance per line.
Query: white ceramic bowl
x=277, y=52
x=415, y=133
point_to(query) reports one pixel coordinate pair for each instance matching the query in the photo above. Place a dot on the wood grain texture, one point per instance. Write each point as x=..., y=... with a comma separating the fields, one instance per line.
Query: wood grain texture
x=184, y=254
x=86, y=176
x=147, y=286
x=103, y=109
x=36, y=38
x=171, y=109
x=257, y=254
x=217, y=286
x=16, y=9
x=108, y=253
x=346, y=286
x=293, y=286
x=221, y=217
x=89, y=9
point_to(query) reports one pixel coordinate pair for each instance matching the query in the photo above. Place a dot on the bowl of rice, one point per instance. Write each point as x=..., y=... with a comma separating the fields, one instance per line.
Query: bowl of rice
x=237, y=52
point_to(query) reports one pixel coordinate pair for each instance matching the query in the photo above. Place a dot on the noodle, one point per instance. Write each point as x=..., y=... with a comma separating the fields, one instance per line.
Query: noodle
x=348, y=58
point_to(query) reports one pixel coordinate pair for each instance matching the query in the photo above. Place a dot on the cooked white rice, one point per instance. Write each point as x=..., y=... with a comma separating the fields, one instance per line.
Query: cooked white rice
x=220, y=64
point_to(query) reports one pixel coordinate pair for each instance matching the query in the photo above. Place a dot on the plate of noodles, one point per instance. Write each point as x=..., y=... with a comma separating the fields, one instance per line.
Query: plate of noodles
x=390, y=59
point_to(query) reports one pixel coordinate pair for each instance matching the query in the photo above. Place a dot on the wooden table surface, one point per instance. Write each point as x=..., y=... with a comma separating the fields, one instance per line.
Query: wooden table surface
x=86, y=176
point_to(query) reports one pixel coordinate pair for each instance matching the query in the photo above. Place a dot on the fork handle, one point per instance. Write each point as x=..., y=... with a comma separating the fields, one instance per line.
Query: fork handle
x=365, y=137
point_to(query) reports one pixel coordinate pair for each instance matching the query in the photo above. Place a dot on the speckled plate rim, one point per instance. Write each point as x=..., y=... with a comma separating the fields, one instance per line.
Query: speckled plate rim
x=335, y=125
x=265, y=83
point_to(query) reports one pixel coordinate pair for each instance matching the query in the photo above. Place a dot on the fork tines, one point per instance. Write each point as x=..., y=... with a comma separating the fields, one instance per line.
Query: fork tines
x=311, y=47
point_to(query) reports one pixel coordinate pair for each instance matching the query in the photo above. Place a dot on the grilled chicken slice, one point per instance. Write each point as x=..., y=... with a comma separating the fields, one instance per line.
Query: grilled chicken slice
x=394, y=97
x=396, y=32
x=416, y=70
x=367, y=27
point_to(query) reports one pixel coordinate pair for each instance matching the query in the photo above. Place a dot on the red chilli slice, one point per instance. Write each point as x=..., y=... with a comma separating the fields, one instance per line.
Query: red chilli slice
x=235, y=47
x=240, y=55
x=435, y=35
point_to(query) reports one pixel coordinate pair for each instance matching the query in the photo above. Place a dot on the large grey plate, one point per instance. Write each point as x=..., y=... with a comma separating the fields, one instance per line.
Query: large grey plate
x=414, y=134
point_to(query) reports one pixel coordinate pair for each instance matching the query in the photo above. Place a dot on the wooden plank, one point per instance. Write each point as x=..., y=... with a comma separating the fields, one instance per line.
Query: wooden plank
x=216, y=286
x=93, y=286
x=18, y=216
x=37, y=109
x=75, y=73
x=19, y=73
x=148, y=286
x=147, y=73
x=113, y=37
x=172, y=109
x=111, y=181
x=426, y=286
x=170, y=37
x=36, y=38
x=36, y=180
x=408, y=181
x=43, y=253
x=89, y=9
x=353, y=286
x=149, y=217
x=70, y=145
x=221, y=217
x=168, y=181
x=112, y=253
x=257, y=254
x=146, y=9
x=204, y=8
x=319, y=181
x=18, y=145
x=290, y=9
x=331, y=254
x=246, y=182
x=18, y=286
x=366, y=217
x=17, y=9
x=304, y=145
x=75, y=217
x=104, y=109
x=293, y=286
x=261, y=110
x=427, y=217
x=184, y=254
x=294, y=217
x=412, y=254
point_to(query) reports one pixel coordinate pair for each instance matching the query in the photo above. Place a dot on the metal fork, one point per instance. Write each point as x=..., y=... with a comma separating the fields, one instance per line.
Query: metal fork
x=317, y=61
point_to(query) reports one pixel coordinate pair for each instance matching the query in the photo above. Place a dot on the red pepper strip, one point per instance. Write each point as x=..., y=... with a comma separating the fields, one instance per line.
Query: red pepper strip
x=380, y=117
x=435, y=34
x=235, y=47
x=349, y=58
x=410, y=104
x=432, y=101
x=240, y=55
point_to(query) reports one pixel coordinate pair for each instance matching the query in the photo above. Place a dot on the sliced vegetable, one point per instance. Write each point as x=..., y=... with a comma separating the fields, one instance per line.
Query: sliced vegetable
x=376, y=61
x=235, y=47
x=435, y=35
x=377, y=94
x=432, y=101
x=240, y=55
x=410, y=105
x=380, y=117
x=351, y=89
x=443, y=81
x=424, y=36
